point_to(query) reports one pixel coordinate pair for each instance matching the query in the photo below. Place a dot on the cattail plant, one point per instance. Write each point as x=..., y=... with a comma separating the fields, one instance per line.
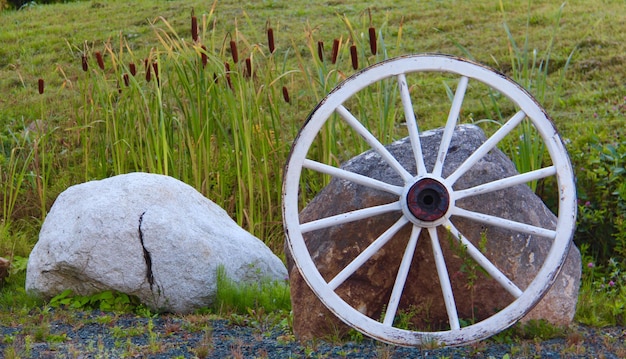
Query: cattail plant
x=270, y=40
x=354, y=57
x=132, y=68
x=40, y=159
x=233, y=51
x=100, y=60
x=373, y=45
x=194, y=28
x=286, y=94
x=85, y=63
x=155, y=66
x=126, y=78
x=204, y=56
x=320, y=50
x=248, y=68
x=335, y=51
x=148, y=70
x=227, y=70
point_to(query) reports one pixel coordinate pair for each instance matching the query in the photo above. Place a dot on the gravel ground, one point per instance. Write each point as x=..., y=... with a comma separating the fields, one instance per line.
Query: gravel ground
x=104, y=335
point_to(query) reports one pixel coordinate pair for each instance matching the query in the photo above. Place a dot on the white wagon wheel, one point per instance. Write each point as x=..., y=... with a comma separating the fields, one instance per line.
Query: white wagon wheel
x=425, y=187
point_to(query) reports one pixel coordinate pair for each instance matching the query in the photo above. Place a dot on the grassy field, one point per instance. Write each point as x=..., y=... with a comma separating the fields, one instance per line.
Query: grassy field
x=571, y=56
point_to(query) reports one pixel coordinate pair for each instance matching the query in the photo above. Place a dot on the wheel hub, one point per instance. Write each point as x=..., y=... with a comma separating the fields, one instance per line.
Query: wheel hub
x=428, y=200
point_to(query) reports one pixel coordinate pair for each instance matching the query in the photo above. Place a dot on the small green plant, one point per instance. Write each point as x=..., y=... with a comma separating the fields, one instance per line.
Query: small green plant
x=540, y=330
x=405, y=318
x=154, y=345
x=57, y=338
x=602, y=197
x=470, y=271
x=106, y=301
x=205, y=346
x=536, y=330
x=430, y=343
x=249, y=298
x=355, y=336
x=602, y=298
x=505, y=356
x=123, y=332
x=18, y=265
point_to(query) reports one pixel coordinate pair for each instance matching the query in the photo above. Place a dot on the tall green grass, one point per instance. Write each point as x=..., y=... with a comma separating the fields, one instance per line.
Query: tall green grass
x=530, y=68
x=191, y=112
x=214, y=113
x=15, y=162
x=239, y=298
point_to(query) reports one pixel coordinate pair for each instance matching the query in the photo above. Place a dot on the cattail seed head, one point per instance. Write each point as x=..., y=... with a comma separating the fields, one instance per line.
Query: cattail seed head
x=155, y=66
x=40, y=83
x=373, y=45
x=335, y=51
x=100, y=60
x=227, y=70
x=148, y=72
x=286, y=94
x=204, y=56
x=85, y=63
x=270, y=40
x=132, y=68
x=353, y=56
x=248, y=69
x=194, y=29
x=126, y=80
x=320, y=50
x=233, y=51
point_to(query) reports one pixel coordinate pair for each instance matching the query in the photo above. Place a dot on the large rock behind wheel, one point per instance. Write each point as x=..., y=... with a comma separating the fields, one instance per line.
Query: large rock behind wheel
x=146, y=235
x=477, y=297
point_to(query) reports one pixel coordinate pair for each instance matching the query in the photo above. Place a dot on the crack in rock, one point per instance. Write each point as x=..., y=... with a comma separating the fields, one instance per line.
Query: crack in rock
x=146, y=255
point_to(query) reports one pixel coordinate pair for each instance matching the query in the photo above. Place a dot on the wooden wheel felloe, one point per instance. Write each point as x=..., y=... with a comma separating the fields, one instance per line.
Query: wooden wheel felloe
x=427, y=200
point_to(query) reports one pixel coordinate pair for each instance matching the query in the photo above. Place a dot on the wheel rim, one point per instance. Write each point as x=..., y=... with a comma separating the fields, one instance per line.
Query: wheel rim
x=427, y=199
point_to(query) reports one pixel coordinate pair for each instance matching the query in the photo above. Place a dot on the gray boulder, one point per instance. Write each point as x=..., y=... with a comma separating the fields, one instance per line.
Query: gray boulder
x=146, y=235
x=477, y=296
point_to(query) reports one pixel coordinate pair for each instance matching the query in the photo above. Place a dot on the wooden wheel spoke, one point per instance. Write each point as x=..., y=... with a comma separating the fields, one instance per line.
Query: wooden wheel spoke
x=506, y=182
x=444, y=280
x=403, y=272
x=486, y=147
x=411, y=123
x=367, y=253
x=349, y=217
x=351, y=176
x=485, y=263
x=373, y=142
x=504, y=223
x=453, y=117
